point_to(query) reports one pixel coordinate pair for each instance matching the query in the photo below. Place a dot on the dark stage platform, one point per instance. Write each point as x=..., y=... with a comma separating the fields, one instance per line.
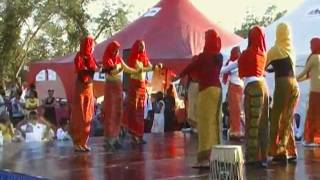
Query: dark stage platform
x=165, y=156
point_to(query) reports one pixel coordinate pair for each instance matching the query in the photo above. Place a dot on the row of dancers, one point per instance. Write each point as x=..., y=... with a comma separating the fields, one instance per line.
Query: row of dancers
x=246, y=71
x=113, y=65
x=268, y=133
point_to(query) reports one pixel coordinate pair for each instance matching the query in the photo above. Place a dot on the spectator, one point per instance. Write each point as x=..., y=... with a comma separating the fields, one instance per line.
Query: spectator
x=6, y=128
x=297, y=127
x=62, y=132
x=170, y=109
x=49, y=105
x=32, y=102
x=158, y=122
x=2, y=101
x=17, y=108
x=34, y=130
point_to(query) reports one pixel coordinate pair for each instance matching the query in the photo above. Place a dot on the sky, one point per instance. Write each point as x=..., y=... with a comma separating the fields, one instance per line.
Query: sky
x=227, y=13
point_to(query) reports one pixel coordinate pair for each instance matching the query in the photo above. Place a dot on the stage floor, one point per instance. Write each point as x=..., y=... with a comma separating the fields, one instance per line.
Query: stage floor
x=165, y=156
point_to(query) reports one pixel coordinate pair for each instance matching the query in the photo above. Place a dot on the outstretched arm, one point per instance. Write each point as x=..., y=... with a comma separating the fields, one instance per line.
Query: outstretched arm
x=304, y=74
x=227, y=68
x=127, y=69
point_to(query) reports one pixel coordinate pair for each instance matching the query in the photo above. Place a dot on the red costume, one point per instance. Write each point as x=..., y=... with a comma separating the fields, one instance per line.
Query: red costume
x=83, y=103
x=136, y=92
x=253, y=60
x=113, y=92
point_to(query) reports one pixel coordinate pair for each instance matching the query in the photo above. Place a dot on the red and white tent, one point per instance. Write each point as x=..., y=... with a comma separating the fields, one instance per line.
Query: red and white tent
x=173, y=31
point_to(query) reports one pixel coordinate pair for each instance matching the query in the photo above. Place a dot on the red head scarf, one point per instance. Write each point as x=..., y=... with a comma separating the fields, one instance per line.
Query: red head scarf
x=315, y=48
x=315, y=45
x=256, y=40
x=212, y=42
x=85, y=60
x=110, y=58
x=252, y=61
x=137, y=54
x=86, y=46
x=234, y=55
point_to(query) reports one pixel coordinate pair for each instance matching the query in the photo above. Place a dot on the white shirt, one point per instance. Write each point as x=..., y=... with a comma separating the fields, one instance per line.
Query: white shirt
x=298, y=131
x=250, y=79
x=232, y=68
x=34, y=132
x=62, y=135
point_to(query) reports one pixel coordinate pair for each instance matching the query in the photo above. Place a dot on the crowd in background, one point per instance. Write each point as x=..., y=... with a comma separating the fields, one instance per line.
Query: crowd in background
x=25, y=117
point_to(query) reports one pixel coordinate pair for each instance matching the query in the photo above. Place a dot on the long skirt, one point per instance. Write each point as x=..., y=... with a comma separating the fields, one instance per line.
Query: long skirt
x=256, y=127
x=193, y=91
x=113, y=108
x=235, y=93
x=136, y=98
x=81, y=113
x=285, y=99
x=312, y=123
x=209, y=115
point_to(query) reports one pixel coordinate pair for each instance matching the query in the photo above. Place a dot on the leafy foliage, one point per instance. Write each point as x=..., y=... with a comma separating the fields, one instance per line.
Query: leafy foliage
x=271, y=14
x=41, y=29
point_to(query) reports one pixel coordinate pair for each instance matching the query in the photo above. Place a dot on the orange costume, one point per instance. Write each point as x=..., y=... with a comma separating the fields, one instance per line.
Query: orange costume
x=83, y=103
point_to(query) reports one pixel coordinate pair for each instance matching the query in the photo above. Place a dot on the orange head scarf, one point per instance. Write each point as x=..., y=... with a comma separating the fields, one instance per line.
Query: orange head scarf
x=212, y=42
x=110, y=58
x=137, y=54
x=252, y=61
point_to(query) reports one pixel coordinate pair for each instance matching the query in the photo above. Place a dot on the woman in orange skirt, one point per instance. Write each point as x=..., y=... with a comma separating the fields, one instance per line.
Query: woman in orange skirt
x=113, y=66
x=312, y=72
x=83, y=103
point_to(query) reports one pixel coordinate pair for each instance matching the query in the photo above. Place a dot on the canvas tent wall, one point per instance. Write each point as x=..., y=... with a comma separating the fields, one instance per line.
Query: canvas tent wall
x=304, y=22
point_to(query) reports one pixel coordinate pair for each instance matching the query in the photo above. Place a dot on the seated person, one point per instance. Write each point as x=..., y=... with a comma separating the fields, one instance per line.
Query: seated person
x=6, y=128
x=297, y=127
x=62, y=132
x=33, y=130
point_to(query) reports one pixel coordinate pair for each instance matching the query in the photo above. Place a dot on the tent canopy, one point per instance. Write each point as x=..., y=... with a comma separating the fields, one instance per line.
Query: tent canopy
x=304, y=21
x=173, y=31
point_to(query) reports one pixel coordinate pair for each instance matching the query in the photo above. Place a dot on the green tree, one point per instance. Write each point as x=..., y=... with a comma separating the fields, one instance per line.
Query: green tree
x=271, y=14
x=41, y=29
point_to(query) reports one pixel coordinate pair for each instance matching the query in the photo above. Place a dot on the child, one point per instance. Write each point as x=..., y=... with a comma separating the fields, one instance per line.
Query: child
x=158, y=122
x=62, y=132
x=33, y=130
x=32, y=102
x=6, y=128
